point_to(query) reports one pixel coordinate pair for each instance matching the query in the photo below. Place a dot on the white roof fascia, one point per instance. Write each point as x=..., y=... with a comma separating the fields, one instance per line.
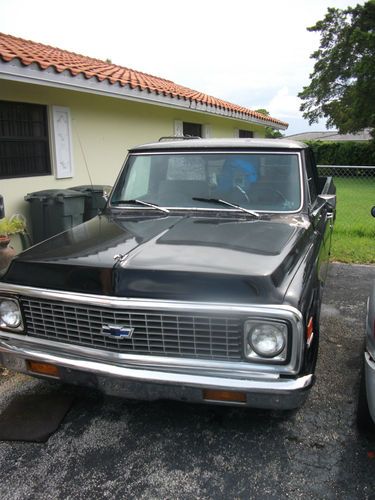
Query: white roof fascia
x=16, y=71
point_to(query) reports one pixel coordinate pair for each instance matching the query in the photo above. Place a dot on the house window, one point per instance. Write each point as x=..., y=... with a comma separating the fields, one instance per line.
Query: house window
x=245, y=134
x=194, y=129
x=24, y=144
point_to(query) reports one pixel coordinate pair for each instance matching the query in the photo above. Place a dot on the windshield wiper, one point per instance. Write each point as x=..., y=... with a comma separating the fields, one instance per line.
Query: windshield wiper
x=141, y=202
x=224, y=202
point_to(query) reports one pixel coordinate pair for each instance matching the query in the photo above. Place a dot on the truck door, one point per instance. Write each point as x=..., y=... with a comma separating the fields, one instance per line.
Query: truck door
x=321, y=217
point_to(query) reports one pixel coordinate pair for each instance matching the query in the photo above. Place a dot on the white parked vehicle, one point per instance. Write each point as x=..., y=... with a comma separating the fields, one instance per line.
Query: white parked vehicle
x=366, y=401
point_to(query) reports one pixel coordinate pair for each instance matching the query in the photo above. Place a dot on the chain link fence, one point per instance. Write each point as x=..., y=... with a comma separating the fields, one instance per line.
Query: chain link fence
x=355, y=188
x=354, y=233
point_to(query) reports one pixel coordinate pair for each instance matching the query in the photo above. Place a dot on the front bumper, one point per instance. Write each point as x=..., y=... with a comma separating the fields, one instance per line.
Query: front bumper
x=147, y=382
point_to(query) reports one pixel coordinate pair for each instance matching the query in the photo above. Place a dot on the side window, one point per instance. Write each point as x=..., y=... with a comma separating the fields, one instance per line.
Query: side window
x=24, y=140
x=311, y=175
x=137, y=184
x=244, y=134
x=186, y=167
x=192, y=129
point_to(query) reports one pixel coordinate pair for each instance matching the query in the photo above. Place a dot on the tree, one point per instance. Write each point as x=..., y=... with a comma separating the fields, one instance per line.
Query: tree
x=271, y=133
x=342, y=86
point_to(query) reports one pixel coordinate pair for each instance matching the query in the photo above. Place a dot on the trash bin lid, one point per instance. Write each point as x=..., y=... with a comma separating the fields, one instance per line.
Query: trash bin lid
x=53, y=193
x=89, y=188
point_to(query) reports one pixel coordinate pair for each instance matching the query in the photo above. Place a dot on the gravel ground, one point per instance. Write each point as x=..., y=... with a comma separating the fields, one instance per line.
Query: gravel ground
x=111, y=448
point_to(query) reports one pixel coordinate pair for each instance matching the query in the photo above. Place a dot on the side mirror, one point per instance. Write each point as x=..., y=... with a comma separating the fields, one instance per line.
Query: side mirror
x=2, y=211
x=373, y=211
x=330, y=199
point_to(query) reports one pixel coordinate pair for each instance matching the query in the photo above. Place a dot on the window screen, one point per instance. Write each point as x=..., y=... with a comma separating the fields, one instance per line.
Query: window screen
x=242, y=134
x=194, y=129
x=24, y=145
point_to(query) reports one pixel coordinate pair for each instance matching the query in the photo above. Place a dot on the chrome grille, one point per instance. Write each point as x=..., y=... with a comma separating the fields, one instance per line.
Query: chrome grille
x=161, y=333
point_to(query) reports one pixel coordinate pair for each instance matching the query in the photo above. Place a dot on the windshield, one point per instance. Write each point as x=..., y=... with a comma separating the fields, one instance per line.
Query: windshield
x=255, y=181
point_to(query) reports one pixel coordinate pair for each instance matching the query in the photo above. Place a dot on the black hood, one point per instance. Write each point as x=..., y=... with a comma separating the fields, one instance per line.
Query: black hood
x=177, y=257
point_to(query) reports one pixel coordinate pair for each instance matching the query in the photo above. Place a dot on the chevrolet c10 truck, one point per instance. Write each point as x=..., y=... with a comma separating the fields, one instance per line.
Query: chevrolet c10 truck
x=200, y=281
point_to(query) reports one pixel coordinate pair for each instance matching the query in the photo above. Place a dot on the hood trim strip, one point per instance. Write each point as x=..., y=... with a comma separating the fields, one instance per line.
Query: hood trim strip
x=172, y=305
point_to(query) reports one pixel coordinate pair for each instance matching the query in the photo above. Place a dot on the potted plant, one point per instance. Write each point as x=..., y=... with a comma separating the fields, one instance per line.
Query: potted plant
x=14, y=225
x=8, y=227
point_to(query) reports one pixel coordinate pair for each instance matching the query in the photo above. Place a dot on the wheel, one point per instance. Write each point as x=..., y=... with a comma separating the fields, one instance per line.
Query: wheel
x=364, y=420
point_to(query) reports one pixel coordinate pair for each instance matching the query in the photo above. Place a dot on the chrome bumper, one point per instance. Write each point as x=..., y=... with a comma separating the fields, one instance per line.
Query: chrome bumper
x=263, y=390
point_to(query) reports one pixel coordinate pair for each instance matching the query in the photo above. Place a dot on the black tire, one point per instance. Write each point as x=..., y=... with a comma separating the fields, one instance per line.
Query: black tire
x=364, y=420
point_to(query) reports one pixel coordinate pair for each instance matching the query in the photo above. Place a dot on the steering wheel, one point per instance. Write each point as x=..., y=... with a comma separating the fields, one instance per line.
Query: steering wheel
x=267, y=195
x=240, y=193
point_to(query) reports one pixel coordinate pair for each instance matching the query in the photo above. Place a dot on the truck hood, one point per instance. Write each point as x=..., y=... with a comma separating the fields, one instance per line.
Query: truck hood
x=210, y=258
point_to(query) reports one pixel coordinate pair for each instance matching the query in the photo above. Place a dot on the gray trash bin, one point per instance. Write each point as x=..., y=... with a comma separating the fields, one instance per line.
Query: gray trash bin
x=54, y=210
x=94, y=200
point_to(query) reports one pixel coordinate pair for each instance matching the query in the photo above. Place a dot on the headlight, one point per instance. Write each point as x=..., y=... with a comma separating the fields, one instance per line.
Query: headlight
x=266, y=339
x=10, y=314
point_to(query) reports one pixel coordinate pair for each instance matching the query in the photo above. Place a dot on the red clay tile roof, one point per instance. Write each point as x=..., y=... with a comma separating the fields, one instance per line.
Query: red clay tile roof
x=29, y=52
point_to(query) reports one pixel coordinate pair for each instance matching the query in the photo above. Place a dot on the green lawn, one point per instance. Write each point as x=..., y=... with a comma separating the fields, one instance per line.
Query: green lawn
x=354, y=233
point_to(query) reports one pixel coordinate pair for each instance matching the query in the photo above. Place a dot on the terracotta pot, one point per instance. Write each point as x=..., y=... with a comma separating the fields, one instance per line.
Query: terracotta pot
x=6, y=254
x=4, y=241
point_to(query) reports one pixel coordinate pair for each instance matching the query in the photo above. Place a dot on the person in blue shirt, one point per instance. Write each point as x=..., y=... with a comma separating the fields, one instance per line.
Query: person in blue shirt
x=236, y=178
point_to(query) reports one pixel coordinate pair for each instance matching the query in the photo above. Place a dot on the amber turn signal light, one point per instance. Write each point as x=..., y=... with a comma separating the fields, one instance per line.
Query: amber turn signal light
x=233, y=396
x=43, y=368
x=309, y=332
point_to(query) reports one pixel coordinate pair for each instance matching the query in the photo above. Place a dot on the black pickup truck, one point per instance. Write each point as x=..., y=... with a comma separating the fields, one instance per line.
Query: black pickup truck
x=201, y=280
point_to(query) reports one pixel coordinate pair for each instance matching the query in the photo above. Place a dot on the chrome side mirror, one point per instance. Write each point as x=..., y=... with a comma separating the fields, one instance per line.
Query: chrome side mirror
x=330, y=199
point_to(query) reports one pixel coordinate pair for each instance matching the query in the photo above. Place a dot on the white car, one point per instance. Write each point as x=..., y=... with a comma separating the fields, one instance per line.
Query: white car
x=366, y=401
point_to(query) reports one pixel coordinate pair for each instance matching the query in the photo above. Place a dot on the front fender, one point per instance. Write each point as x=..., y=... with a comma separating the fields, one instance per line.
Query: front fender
x=370, y=322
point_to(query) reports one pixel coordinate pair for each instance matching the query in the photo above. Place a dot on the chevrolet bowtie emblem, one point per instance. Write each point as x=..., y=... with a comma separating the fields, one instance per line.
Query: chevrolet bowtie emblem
x=117, y=331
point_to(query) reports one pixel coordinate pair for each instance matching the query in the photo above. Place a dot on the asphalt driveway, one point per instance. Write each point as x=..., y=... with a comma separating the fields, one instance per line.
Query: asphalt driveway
x=111, y=448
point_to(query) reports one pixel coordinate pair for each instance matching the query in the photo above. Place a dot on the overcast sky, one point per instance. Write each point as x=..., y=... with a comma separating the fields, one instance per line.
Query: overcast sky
x=255, y=53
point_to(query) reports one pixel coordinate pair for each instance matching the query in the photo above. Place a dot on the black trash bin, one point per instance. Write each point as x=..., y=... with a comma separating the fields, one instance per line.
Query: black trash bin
x=94, y=201
x=54, y=210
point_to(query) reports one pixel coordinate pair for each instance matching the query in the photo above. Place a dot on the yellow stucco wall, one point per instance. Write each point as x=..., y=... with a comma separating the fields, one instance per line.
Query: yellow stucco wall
x=103, y=128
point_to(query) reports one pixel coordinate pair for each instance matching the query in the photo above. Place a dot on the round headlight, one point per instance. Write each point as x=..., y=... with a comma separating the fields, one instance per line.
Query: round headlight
x=10, y=314
x=267, y=340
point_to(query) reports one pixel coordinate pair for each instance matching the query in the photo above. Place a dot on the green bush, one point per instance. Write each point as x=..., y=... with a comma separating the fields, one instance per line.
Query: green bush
x=343, y=152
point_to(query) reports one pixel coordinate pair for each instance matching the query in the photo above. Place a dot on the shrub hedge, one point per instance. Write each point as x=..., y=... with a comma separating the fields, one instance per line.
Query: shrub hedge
x=343, y=152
